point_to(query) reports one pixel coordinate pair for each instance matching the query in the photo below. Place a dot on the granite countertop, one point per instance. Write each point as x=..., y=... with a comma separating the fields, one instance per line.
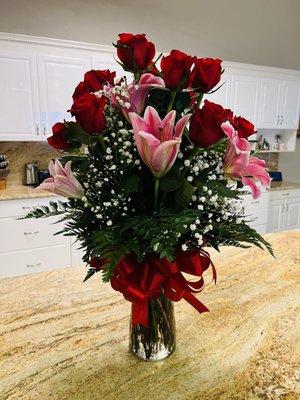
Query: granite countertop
x=62, y=339
x=284, y=185
x=15, y=192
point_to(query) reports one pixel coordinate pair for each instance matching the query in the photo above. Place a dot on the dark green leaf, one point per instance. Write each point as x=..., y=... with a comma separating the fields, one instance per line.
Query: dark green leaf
x=170, y=182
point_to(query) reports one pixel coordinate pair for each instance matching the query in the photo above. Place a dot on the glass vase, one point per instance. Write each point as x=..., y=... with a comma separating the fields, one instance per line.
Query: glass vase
x=156, y=341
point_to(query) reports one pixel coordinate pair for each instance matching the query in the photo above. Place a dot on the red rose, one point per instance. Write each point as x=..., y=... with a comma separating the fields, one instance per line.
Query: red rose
x=176, y=69
x=88, y=110
x=97, y=263
x=205, y=125
x=135, y=51
x=58, y=139
x=205, y=74
x=243, y=127
x=94, y=81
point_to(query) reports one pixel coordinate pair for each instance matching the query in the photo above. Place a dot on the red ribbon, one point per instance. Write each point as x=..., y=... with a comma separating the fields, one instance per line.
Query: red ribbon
x=141, y=282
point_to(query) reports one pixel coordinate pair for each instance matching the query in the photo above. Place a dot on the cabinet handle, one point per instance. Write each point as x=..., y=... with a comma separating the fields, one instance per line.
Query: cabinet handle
x=37, y=128
x=281, y=120
x=287, y=207
x=286, y=194
x=278, y=119
x=44, y=128
x=255, y=202
x=33, y=265
x=26, y=208
x=282, y=207
x=31, y=233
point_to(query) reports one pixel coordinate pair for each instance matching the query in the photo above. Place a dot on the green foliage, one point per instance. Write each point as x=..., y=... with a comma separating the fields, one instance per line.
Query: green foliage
x=54, y=208
x=183, y=195
x=220, y=188
x=171, y=181
x=76, y=135
x=130, y=182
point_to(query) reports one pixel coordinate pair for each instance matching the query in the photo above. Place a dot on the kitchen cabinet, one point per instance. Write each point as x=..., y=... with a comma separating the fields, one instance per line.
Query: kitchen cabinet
x=284, y=210
x=19, y=97
x=58, y=77
x=222, y=95
x=244, y=96
x=107, y=61
x=270, y=103
x=290, y=105
x=256, y=211
x=279, y=104
x=39, y=75
x=29, y=245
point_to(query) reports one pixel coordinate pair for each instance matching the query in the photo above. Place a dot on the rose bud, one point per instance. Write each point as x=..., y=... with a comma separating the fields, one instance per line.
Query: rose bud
x=176, y=69
x=97, y=263
x=206, y=74
x=205, y=125
x=243, y=127
x=135, y=51
x=94, y=81
x=58, y=139
x=88, y=110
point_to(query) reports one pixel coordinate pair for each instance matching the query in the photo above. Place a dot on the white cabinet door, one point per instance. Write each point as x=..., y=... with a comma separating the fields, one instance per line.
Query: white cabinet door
x=222, y=95
x=270, y=104
x=19, y=110
x=292, y=213
x=107, y=61
x=244, y=98
x=58, y=77
x=275, y=215
x=290, y=105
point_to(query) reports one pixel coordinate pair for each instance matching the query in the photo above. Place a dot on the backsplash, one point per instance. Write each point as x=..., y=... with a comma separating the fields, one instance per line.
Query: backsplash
x=271, y=159
x=20, y=153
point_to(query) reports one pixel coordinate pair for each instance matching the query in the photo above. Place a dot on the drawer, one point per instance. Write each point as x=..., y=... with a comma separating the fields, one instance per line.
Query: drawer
x=18, y=208
x=29, y=234
x=261, y=228
x=261, y=202
x=37, y=260
x=284, y=194
x=258, y=216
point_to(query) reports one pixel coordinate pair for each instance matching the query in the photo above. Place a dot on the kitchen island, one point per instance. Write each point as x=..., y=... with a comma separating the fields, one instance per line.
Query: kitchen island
x=64, y=339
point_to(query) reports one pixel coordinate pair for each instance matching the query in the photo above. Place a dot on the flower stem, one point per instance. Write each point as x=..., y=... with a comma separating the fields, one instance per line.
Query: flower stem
x=172, y=98
x=156, y=193
x=101, y=141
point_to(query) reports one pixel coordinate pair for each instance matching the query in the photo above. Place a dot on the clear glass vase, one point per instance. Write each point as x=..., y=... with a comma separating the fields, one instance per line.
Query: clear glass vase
x=157, y=341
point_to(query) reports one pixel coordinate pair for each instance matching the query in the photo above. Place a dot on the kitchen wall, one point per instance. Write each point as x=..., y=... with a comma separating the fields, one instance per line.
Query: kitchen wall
x=19, y=153
x=253, y=31
x=289, y=164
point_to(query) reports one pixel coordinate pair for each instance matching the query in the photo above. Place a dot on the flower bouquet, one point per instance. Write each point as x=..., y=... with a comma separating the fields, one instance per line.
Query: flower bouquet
x=152, y=177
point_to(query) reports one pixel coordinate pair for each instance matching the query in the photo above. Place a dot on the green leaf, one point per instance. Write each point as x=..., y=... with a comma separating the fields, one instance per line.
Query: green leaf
x=183, y=195
x=130, y=183
x=171, y=181
x=76, y=135
x=182, y=101
x=89, y=274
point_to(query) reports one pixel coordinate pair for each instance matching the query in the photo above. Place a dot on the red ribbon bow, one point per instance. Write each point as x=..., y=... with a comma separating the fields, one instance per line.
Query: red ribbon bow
x=141, y=282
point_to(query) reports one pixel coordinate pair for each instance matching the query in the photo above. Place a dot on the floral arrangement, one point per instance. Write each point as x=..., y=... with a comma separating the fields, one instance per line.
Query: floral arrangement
x=153, y=175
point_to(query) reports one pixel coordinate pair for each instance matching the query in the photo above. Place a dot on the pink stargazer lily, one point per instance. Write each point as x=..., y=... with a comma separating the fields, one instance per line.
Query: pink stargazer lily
x=137, y=93
x=62, y=181
x=238, y=163
x=157, y=140
x=132, y=97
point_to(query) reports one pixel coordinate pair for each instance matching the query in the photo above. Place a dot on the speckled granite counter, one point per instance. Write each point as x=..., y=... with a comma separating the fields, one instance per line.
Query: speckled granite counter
x=284, y=185
x=61, y=339
x=14, y=192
